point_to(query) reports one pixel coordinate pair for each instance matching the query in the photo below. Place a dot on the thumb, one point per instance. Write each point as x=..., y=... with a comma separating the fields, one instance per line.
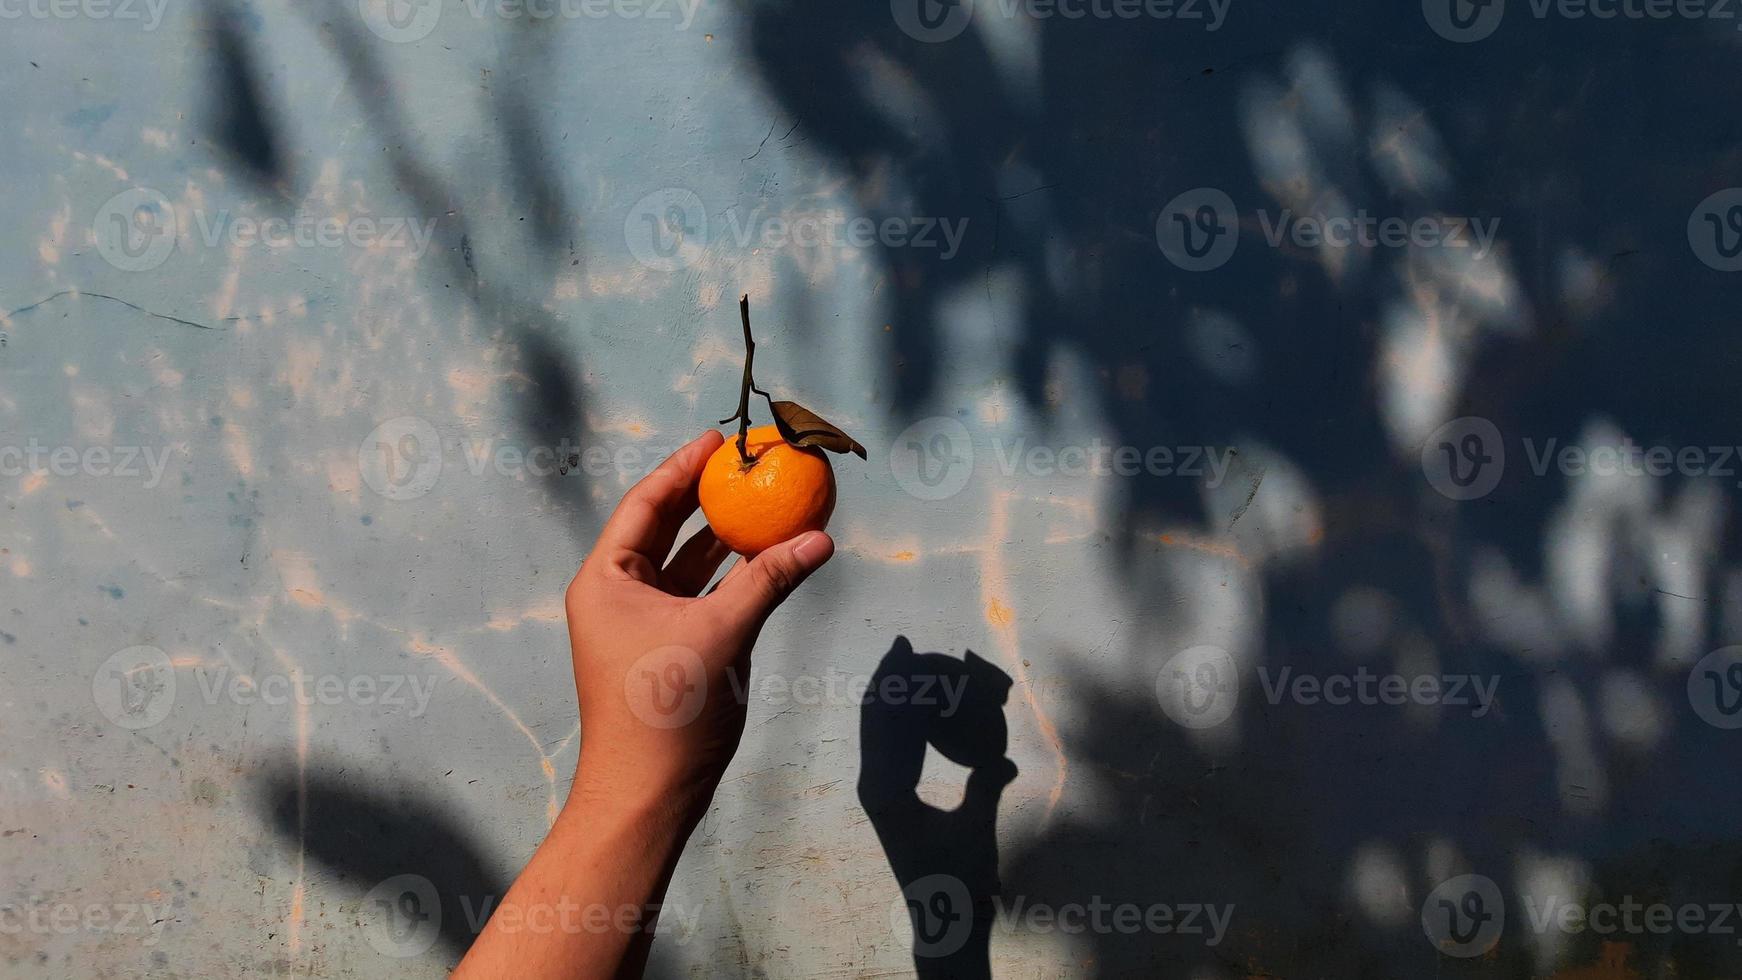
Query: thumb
x=766, y=580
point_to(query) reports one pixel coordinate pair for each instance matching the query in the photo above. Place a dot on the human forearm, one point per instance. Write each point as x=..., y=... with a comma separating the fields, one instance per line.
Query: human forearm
x=656, y=676
x=587, y=903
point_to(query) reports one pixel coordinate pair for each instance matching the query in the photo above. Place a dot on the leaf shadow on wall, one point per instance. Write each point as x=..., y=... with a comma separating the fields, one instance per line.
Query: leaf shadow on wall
x=368, y=829
x=1062, y=140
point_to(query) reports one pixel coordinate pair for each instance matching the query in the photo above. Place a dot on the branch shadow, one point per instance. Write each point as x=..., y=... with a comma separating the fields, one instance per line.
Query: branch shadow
x=369, y=831
x=551, y=405
x=242, y=120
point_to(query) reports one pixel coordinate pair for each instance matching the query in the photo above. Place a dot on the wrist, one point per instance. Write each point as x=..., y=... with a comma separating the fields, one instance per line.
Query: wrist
x=639, y=794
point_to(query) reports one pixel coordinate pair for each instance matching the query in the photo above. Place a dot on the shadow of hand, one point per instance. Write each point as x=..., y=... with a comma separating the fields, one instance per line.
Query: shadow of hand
x=946, y=861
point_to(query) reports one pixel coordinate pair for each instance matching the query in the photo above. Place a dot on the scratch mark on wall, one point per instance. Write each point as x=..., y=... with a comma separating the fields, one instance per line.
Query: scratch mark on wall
x=113, y=299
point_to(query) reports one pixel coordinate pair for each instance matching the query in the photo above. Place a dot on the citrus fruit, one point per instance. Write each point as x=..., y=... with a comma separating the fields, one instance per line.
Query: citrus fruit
x=785, y=491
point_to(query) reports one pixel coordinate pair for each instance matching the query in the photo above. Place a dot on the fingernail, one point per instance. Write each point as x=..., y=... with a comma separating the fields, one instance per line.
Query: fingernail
x=812, y=550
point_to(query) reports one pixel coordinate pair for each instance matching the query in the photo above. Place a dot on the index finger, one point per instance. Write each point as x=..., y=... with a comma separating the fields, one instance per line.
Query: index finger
x=647, y=520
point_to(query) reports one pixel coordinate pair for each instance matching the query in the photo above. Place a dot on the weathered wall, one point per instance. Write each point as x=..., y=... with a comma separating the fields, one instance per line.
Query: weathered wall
x=321, y=467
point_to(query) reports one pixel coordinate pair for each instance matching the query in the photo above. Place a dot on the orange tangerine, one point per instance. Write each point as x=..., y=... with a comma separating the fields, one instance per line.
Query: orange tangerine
x=785, y=491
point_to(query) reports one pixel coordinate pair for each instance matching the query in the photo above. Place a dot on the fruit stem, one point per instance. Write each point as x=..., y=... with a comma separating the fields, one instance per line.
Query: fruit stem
x=749, y=382
x=749, y=386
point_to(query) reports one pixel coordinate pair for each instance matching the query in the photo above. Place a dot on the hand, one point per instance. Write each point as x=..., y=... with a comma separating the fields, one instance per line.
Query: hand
x=659, y=672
